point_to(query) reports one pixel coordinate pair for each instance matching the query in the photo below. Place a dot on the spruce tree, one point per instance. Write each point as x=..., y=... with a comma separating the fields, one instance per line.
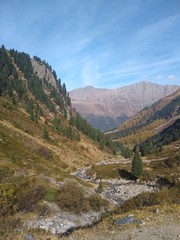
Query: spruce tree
x=137, y=165
x=100, y=187
x=45, y=133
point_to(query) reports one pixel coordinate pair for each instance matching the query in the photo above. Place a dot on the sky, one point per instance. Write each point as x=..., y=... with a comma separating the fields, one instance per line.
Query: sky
x=102, y=43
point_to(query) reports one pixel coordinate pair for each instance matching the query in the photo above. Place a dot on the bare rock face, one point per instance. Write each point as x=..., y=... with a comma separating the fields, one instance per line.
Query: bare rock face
x=115, y=103
x=63, y=222
x=43, y=72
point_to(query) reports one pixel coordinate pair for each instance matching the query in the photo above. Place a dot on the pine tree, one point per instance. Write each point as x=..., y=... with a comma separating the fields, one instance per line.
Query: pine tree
x=45, y=133
x=137, y=165
x=100, y=187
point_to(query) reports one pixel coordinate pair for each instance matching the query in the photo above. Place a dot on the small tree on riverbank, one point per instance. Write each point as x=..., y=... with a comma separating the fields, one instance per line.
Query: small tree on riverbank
x=137, y=165
x=100, y=187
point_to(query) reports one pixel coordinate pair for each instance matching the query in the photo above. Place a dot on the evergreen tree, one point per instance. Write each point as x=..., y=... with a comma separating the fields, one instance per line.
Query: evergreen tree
x=100, y=187
x=137, y=165
x=45, y=133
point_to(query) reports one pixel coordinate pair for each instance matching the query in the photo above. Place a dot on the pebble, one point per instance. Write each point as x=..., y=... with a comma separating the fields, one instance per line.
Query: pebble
x=156, y=210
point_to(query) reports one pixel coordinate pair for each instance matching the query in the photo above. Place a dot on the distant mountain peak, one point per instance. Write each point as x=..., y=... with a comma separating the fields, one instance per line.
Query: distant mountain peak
x=115, y=103
x=89, y=87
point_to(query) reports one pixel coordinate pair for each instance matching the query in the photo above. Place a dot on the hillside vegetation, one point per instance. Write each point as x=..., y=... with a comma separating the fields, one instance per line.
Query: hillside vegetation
x=30, y=85
x=149, y=121
x=165, y=137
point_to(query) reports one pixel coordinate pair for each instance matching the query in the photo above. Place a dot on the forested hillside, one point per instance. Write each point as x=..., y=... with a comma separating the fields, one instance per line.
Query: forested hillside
x=156, y=143
x=149, y=121
x=45, y=98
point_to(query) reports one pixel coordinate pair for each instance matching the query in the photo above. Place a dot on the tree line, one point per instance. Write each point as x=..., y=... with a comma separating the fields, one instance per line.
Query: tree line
x=156, y=142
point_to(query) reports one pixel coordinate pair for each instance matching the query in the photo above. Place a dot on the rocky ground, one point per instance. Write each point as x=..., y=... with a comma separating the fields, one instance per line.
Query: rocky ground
x=150, y=225
x=119, y=191
x=163, y=225
x=59, y=222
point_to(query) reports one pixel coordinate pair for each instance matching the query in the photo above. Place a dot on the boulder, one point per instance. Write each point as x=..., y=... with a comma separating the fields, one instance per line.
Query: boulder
x=126, y=220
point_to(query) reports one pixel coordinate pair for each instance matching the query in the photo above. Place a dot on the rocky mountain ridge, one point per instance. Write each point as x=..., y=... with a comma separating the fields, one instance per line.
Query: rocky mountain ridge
x=107, y=105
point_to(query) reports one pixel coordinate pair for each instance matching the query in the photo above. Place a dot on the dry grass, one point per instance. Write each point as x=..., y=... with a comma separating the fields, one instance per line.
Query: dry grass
x=22, y=141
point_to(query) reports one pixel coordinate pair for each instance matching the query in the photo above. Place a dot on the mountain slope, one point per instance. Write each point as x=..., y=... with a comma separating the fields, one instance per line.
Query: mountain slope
x=156, y=142
x=36, y=106
x=149, y=121
x=42, y=141
x=106, y=109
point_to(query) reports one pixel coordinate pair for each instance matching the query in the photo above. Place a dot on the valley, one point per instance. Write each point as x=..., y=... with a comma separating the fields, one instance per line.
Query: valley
x=59, y=176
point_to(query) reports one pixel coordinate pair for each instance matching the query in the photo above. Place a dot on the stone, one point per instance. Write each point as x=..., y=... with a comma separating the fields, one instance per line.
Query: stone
x=156, y=210
x=126, y=220
x=142, y=222
x=29, y=237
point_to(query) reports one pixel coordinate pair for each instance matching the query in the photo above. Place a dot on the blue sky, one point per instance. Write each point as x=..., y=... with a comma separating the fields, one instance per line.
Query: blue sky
x=103, y=43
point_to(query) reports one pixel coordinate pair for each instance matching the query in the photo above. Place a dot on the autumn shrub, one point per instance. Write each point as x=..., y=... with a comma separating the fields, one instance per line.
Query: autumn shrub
x=172, y=162
x=28, y=199
x=45, y=153
x=7, y=225
x=72, y=198
x=51, y=194
x=146, y=176
x=169, y=179
x=4, y=172
x=7, y=199
x=28, y=192
x=96, y=202
x=161, y=197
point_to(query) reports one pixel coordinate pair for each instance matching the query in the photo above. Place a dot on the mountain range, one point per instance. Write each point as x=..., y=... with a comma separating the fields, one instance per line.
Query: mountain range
x=105, y=109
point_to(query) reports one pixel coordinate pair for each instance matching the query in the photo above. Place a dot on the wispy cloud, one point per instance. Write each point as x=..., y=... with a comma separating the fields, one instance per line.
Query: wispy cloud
x=90, y=73
x=171, y=77
x=99, y=42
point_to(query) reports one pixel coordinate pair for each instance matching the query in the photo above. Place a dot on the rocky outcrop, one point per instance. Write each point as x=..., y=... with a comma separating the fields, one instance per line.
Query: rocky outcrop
x=61, y=222
x=43, y=72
